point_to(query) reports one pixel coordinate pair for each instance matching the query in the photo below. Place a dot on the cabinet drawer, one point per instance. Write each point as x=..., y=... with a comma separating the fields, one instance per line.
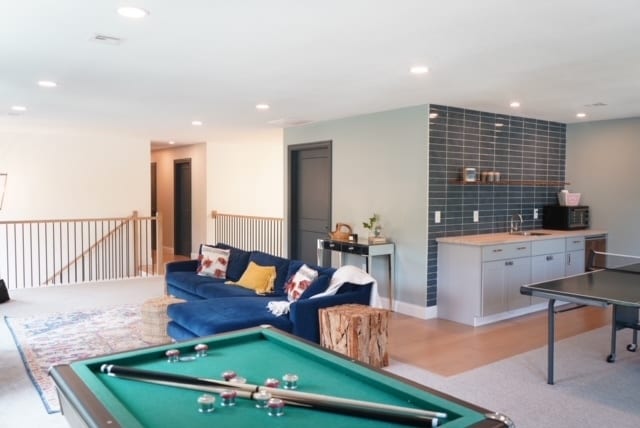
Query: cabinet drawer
x=332, y=245
x=363, y=250
x=346, y=247
x=506, y=251
x=575, y=243
x=547, y=246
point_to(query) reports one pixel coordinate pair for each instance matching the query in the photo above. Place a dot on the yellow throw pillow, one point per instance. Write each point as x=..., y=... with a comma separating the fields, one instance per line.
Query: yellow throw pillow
x=258, y=278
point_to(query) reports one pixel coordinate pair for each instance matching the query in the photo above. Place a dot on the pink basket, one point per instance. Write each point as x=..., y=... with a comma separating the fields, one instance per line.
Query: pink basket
x=569, y=199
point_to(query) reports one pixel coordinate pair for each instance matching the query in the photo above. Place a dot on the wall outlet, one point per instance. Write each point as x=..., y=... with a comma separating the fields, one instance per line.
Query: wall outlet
x=476, y=216
x=436, y=218
x=535, y=213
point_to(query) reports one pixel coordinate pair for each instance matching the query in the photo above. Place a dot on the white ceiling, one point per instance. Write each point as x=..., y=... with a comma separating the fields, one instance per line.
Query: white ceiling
x=214, y=60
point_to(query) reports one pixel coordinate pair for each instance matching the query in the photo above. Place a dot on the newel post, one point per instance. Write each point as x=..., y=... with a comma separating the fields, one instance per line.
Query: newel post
x=136, y=244
x=159, y=245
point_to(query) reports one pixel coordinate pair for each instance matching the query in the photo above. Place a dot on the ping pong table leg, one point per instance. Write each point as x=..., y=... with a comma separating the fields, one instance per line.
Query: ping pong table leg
x=614, y=328
x=551, y=318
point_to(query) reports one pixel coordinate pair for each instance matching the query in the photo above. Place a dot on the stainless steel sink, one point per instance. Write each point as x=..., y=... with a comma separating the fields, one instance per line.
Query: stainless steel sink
x=531, y=233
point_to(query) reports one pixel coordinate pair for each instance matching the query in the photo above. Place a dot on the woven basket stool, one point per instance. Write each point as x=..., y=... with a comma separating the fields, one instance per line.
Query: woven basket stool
x=155, y=319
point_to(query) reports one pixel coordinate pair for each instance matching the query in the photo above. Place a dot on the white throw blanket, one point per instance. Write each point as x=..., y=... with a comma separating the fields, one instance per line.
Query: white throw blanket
x=342, y=275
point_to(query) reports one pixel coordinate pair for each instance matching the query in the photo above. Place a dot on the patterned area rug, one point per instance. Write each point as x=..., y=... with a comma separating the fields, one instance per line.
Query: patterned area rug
x=44, y=341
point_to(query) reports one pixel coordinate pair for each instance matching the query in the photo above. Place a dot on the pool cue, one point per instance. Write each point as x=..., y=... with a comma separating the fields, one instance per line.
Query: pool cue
x=391, y=413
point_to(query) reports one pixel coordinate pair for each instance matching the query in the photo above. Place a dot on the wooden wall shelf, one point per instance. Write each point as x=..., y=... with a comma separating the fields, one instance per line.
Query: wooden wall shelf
x=511, y=183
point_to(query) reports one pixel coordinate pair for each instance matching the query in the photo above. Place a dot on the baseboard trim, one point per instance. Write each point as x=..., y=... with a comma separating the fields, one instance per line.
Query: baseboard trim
x=412, y=310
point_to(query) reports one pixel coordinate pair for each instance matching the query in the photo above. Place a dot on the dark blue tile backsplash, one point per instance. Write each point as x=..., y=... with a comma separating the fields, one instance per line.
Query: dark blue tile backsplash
x=529, y=154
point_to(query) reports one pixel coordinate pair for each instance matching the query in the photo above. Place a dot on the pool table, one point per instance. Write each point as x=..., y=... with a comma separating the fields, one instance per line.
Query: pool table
x=91, y=398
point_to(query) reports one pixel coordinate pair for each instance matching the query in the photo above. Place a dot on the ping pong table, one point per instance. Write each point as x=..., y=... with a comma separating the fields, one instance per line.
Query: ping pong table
x=617, y=286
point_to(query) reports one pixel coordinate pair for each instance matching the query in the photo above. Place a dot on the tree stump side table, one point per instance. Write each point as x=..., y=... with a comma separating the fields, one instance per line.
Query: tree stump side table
x=357, y=331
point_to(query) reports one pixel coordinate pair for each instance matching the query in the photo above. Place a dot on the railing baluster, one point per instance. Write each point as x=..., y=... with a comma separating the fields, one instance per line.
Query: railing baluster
x=51, y=252
x=249, y=232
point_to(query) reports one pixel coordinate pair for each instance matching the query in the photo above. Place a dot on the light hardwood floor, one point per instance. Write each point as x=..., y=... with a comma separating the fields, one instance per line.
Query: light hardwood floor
x=448, y=348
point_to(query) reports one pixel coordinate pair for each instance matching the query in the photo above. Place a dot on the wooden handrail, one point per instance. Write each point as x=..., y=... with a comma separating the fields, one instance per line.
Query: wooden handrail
x=71, y=220
x=215, y=214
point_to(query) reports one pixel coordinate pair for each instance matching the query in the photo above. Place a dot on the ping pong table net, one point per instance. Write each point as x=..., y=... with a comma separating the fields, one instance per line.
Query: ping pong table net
x=611, y=261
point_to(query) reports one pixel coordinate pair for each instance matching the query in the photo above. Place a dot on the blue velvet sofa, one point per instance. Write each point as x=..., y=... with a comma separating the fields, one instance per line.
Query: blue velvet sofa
x=213, y=306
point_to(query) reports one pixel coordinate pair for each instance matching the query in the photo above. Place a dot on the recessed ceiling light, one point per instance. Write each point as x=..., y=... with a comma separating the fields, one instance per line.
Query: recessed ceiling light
x=515, y=104
x=171, y=142
x=433, y=115
x=47, y=84
x=262, y=106
x=196, y=122
x=419, y=69
x=18, y=108
x=581, y=115
x=132, y=12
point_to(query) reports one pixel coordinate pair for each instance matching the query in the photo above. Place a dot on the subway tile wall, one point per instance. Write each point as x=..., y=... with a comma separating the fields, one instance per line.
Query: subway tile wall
x=528, y=153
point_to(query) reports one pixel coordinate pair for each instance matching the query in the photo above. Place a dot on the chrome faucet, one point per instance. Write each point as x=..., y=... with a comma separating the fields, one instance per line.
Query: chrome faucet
x=516, y=223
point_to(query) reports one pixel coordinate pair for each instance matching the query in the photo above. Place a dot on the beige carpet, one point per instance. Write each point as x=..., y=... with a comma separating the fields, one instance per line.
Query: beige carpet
x=20, y=404
x=589, y=392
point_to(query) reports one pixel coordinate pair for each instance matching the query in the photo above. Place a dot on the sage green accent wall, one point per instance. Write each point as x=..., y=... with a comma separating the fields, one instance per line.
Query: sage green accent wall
x=602, y=165
x=380, y=166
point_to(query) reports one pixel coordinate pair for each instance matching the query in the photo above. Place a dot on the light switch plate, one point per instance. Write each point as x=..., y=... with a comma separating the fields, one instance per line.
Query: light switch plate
x=476, y=216
x=436, y=217
x=535, y=213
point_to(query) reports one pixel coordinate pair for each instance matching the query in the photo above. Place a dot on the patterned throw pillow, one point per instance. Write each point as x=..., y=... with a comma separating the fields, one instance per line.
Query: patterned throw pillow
x=213, y=262
x=299, y=282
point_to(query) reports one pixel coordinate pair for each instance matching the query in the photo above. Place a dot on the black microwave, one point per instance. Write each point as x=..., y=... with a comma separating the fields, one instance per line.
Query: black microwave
x=565, y=218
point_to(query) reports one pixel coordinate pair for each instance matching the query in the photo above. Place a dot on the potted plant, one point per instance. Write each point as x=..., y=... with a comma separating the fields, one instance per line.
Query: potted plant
x=373, y=225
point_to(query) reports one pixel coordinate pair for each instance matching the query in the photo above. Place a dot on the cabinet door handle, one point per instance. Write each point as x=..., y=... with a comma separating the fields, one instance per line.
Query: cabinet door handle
x=508, y=263
x=522, y=248
x=569, y=258
x=549, y=258
x=332, y=245
x=497, y=250
x=350, y=248
x=576, y=242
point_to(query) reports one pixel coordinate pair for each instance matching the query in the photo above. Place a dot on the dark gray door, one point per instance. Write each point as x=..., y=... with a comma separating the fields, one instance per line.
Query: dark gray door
x=309, y=198
x=182, y=207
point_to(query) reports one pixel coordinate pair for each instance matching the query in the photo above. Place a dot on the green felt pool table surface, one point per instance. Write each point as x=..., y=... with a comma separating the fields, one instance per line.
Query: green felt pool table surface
x=91, y=398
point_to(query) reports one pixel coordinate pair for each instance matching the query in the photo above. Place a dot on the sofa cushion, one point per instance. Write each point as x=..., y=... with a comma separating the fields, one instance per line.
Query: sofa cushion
x=205, y=317
x=202, y=286
x=213, y=261
x=257, y=278
x=281, y=265
x=238, y=261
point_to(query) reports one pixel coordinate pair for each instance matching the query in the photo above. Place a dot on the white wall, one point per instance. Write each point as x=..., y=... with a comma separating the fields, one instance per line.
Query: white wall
x=246, y=177
x=602, y=163
x=165, y=191
x=66, y=175
x=380, y=166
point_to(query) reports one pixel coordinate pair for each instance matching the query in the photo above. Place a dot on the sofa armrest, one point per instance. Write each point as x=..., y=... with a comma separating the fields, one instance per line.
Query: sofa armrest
x=304, y=313
x=182, y=266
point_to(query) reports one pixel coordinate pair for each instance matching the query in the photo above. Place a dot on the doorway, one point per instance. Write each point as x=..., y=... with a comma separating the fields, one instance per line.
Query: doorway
x=309, y=198
x=182, y=207
x=154, y=202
